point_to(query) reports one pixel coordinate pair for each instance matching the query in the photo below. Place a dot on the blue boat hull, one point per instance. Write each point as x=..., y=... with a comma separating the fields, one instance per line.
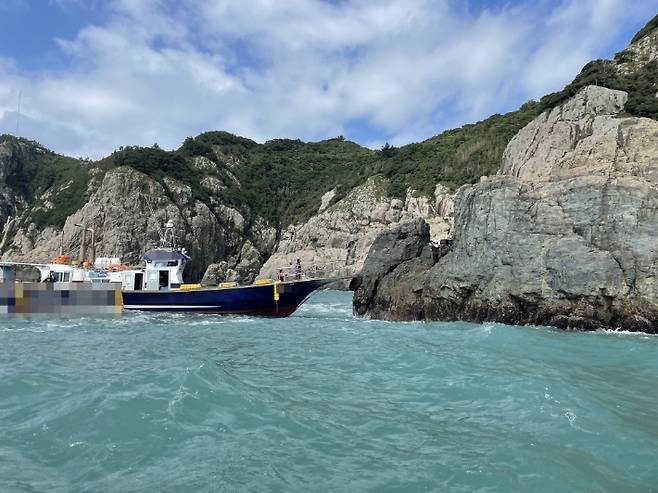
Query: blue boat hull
x=249, y=300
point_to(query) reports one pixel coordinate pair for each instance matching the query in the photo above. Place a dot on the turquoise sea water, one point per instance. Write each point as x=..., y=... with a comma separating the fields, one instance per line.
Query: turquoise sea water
x=323, y=402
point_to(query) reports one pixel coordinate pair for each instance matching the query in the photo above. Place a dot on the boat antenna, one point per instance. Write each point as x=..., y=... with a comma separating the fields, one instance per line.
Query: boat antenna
x=18, y=111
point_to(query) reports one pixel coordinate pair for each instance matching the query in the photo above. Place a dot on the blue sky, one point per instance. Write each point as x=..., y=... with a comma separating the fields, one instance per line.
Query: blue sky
x=97, y=74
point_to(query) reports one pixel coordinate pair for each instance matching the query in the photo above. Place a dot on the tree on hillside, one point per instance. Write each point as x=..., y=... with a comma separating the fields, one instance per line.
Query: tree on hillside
x=387, y=150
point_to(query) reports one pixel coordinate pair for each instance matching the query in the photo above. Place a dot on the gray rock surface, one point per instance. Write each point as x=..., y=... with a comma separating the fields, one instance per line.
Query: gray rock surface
x=217, y=273
x=326, y=199
x=566, y=235
x=581, y=133
x=128, y=211
x=390, y=249
x=335, y=242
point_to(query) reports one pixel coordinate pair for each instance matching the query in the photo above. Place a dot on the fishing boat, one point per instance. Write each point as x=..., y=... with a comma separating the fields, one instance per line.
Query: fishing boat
x=159, y=287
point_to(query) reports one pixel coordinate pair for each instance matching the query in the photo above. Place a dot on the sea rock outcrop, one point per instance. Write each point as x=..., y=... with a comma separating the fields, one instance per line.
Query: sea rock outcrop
x=398, y=248
x=335, y=242
x=566, y=234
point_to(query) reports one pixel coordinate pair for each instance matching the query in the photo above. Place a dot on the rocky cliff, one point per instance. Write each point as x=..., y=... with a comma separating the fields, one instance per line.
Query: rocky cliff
x=335, y=242
x=224, y=216
x=565, y=235
x=127, y=210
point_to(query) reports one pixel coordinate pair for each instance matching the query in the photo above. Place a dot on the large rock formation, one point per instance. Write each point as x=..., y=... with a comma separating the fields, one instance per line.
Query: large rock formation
x=128, y=211
x=565, y=235
x=335, y=242
x=41, y=203
x=397, y=251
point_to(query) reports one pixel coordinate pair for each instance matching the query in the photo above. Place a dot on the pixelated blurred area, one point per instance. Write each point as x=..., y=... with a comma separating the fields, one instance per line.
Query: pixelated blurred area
x=66, y=298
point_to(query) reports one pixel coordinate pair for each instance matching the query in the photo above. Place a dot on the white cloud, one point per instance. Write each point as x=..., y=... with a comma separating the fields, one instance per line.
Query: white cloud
x=157, y=70
x=576, y=32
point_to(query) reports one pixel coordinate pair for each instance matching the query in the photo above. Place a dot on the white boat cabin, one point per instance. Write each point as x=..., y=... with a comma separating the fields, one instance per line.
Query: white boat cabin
x=163, y=271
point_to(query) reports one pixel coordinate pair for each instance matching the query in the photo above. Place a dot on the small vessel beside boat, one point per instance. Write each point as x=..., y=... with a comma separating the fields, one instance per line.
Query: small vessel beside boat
x=106, y=285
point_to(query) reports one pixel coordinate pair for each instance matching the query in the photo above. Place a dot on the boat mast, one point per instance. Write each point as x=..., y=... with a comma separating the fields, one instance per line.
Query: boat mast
x=83, y=244
x=93, y=245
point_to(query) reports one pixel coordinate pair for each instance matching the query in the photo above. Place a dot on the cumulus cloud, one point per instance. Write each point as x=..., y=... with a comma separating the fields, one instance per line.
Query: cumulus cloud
x=396, y=70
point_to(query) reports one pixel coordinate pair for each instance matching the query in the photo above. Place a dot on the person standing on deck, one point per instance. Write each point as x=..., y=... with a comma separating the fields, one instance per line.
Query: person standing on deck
x=298, y=270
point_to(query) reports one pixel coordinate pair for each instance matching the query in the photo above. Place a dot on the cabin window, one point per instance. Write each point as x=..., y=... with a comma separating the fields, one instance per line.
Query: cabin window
x=172, y=263
x=62, y=276
x=164, y=279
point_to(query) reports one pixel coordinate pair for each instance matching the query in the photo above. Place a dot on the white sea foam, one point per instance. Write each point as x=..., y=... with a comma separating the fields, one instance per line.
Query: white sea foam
x=325, y=310
x=571, y=416
x=487, y=328
x=644, y=335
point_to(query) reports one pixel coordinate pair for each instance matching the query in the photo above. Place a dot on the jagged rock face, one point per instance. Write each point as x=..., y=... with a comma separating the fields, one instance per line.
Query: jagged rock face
x=565, y=236
x=437, y=211
x=376, y=285
x=335, y=242
x=217, y=273
x=641, y=52
x=127, y=212
x=578, y=137
x=326, y=199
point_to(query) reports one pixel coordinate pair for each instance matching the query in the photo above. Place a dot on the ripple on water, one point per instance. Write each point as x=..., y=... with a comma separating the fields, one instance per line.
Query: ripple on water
x=322, y=400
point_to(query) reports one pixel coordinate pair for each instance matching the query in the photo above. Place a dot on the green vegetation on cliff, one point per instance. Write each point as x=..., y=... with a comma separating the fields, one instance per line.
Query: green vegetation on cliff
x=160, y=164
x=455, y=157
x=281, y=180
x=35, y=171
x=646, y=30
x=284, y=180
x=641, y=85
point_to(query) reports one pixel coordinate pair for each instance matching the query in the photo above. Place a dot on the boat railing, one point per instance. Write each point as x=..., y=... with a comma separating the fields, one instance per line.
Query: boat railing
x=316, y=270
